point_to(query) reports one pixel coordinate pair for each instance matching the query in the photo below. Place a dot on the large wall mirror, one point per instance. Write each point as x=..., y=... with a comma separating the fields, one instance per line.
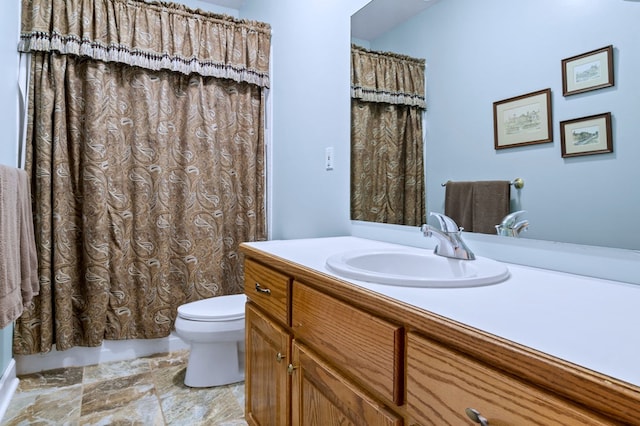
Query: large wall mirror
x=481, y=52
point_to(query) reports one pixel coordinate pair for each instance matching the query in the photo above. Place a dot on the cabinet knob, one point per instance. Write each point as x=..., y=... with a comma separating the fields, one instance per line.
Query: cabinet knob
x=260, y=289
x=279, y=357
x=290, y=369
x=475, y=416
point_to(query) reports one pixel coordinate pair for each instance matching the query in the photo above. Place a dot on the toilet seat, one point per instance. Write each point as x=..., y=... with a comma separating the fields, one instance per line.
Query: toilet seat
x=214, y=309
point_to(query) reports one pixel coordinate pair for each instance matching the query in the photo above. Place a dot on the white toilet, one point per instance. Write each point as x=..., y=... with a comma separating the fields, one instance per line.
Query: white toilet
x=214, y=328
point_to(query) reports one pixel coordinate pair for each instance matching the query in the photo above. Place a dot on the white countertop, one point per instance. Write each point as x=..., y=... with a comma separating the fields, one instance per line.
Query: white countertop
x=590, y=322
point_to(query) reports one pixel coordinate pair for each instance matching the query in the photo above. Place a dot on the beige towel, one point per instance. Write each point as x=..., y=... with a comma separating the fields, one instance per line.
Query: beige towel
x=478, y=206
x=18, y=261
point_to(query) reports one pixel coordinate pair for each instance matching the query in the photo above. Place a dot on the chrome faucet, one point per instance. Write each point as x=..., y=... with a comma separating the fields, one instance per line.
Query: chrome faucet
x=449, y=238
x=511, y=226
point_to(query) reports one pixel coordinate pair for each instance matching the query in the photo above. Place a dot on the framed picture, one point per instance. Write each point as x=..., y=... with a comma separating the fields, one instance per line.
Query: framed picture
x=523, y=120
x=589, y=71
x=586, y=135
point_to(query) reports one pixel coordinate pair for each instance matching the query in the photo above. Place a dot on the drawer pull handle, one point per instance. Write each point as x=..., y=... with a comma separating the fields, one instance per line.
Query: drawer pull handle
x=474, y=415
x=259, y=289
x=279, y=357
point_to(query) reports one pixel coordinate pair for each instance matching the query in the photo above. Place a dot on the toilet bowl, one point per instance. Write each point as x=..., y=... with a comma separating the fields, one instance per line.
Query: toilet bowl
x=214, y=329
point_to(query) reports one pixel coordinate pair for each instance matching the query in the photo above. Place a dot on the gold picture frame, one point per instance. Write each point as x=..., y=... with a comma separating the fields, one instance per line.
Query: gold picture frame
x=588, y=71
x=586, y=135
x=523, y=120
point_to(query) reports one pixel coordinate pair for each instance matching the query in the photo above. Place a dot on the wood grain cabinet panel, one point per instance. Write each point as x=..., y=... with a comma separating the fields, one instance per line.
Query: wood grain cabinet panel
x=442, y=384
x=267, y=384
x=323, y=352
x=365, y=347
x=323, y=397
x=268, y=289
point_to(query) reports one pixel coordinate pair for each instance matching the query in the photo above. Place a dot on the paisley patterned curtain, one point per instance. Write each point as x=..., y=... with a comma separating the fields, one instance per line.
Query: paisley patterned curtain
x=387, y=164
x=146, y=151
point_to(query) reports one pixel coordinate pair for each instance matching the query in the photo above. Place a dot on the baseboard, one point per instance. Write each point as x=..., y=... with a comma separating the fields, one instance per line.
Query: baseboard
x=111, y=350
x=8, y=385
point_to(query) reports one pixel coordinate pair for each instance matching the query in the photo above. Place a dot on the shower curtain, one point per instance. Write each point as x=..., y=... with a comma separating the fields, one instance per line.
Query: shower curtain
x=387, y=164
x=145, y=148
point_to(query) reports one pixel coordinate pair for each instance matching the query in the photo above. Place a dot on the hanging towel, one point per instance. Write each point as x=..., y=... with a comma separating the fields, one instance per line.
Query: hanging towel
x=490, y=204
x=478, y=206
x=458, y=203
x=18, y=261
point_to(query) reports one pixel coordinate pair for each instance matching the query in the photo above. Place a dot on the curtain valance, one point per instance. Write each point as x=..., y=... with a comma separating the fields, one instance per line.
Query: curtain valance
x=152, y=35
x=387, y=77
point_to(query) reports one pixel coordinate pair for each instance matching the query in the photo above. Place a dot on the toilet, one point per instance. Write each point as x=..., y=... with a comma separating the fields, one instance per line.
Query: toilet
x=214, y=328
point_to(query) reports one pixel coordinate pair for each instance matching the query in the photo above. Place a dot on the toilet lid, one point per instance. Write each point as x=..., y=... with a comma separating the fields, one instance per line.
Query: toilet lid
x=220, y=308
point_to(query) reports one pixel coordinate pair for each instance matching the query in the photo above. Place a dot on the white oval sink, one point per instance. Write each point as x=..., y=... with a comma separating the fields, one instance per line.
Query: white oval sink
x=416, y=268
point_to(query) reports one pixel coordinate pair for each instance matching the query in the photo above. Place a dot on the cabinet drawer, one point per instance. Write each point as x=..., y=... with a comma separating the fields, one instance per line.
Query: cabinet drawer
x=442, y=384
x=360, y=344
x=268, y=289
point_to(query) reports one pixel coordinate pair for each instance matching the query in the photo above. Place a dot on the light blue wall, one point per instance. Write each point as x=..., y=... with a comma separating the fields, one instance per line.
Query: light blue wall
x=310, y=93
x=479, y=52
x=9, y=27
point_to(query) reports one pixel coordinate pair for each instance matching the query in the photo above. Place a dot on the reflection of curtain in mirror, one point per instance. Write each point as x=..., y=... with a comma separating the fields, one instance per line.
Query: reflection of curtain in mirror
x=387, y=167
x=146, y=154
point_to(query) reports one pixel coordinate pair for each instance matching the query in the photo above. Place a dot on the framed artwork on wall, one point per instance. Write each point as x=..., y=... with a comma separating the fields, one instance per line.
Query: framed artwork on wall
x=588, y=71
x=586, y=135
x=523, y=120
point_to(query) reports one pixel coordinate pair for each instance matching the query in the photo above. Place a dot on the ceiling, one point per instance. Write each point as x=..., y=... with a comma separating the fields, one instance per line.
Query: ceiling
x=379, y=16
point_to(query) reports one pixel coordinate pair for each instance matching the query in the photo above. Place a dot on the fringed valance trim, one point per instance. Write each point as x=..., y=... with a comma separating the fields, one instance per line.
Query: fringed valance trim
x=387, y=77
x=153, y=35
x=71, y=45
x=388, y=98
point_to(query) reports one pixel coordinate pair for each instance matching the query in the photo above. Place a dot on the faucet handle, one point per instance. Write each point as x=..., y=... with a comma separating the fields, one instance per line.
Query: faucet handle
x=509, y=221
x=446, y=223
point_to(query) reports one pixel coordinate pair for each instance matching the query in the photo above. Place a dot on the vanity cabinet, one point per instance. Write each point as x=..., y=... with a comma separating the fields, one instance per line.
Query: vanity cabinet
x=267, y=384
x=322, y=396
x=367, y=347
x=316, y=360
x=446, y=387
x=322, y=351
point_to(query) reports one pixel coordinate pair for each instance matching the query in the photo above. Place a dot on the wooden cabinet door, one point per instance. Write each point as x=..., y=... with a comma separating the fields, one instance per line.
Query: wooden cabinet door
x=322, y=397
x=364, y=346
x=267, y=384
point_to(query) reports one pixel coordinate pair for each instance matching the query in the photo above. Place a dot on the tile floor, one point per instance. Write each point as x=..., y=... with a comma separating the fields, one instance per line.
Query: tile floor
x=144, y=391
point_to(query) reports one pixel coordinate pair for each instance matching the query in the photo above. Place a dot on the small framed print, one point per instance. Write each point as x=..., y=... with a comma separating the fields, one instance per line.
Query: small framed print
x=588, y=71
x=523, y=120
x=586, y=135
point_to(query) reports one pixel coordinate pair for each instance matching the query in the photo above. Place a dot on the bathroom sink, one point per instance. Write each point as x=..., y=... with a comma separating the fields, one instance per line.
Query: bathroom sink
x=416, y=268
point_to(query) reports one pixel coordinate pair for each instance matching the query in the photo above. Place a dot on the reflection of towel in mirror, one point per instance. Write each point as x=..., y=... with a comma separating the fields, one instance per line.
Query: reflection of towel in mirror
x=477, y=206
x=18, y=261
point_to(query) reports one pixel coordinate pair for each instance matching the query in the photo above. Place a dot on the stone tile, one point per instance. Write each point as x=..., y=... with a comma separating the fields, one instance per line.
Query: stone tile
x=143, y=411
x=170, y=379
x=51, y=379
x=58, y=406
x=237, y=422
x=131, y=400
x=115, y=369
x=182, y=405
x=178, y=358
x=238, y=392
x=145, y=391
